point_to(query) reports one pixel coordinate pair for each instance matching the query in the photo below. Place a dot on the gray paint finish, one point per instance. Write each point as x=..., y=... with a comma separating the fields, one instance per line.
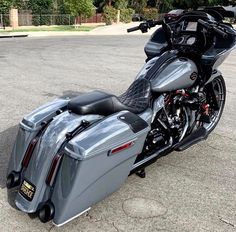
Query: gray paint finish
x=88, y=173
x=29, y=128
x=47, y=147
x=104, y=135
x=175, y=76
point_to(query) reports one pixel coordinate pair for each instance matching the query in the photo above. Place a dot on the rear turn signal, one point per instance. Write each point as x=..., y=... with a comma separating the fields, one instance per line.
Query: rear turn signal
x=53, y=169
x=29, y=152
x=122, y=147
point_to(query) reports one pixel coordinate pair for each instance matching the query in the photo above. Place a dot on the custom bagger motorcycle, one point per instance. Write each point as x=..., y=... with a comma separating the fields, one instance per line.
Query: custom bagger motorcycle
x=71, y=153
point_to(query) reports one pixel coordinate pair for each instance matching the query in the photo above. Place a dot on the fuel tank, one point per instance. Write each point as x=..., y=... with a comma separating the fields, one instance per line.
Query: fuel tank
x=169, y=72
x=181, y=73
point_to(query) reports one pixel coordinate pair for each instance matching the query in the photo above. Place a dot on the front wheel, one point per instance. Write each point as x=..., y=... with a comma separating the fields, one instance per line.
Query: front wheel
x=216, y=97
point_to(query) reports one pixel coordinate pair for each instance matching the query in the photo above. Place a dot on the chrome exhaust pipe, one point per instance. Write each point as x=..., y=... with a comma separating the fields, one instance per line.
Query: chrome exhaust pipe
x=47, y=212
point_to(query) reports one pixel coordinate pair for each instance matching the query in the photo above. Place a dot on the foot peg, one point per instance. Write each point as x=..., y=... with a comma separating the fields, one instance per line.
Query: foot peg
x=141, y=173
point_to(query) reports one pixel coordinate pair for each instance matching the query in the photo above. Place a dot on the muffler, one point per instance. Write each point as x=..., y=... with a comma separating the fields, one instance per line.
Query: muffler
x=197, y=136
x=47, y=212
x=13, y=180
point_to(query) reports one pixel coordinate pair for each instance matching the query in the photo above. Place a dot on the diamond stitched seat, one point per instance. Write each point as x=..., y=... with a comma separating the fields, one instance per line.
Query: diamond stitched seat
x=135, y=99
x=137, y=95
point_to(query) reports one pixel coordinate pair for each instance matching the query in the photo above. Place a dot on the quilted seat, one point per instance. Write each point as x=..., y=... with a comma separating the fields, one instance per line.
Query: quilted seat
x=135, y=99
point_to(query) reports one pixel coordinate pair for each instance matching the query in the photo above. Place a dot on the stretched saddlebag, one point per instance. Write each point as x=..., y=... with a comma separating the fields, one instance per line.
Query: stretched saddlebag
x=96, y=163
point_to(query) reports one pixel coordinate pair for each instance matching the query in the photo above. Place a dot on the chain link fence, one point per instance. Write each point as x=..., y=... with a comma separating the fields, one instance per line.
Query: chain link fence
x=28, y=19
x=62, y=19
x=38, y=20
x=4, y=21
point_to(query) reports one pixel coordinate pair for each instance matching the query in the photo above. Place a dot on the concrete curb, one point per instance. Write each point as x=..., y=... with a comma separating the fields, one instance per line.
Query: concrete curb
x=112, y=30
x=12, y=36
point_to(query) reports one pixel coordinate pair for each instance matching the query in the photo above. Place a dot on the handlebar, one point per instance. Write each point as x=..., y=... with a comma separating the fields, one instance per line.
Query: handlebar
x=220, y=32
x=133, y=29
x=213, y=28
x=204, y=24
x=145, y=26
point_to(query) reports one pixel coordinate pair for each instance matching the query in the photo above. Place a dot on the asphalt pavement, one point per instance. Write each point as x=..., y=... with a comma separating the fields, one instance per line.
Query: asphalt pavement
x=193, y=191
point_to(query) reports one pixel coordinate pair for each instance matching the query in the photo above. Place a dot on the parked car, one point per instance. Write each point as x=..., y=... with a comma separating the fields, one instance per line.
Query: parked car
x=173, y=15
x=225, y=11
x=137, y=18
x=233, y=9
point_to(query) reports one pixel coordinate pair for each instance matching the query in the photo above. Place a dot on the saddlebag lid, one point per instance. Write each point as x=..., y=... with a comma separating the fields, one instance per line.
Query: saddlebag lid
x=110, y=133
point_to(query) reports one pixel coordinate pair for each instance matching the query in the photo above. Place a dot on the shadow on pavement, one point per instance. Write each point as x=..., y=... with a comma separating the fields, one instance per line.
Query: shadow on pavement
x=7, y=139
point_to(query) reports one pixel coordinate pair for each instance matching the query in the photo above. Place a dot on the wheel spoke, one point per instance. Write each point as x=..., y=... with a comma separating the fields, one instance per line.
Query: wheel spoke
x=219, y=91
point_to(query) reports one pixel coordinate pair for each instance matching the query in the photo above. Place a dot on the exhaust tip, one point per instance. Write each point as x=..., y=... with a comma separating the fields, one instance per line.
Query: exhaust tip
x=46, y=213
x=13, y=180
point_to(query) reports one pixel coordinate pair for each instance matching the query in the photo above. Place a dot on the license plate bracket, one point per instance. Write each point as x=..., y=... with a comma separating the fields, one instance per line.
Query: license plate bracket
x=27, y=190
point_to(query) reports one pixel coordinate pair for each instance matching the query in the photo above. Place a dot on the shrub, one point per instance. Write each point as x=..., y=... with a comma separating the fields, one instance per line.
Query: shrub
x=150, y=13
x=126, y=15
x=121, y=4
x=110, y=14
x=230, y=20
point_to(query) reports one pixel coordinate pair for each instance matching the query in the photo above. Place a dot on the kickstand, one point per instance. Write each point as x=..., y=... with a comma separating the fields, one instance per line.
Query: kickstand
x=141, y=173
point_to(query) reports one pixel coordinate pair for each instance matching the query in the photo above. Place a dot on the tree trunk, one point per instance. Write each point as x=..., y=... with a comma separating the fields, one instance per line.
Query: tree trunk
x=158, y=3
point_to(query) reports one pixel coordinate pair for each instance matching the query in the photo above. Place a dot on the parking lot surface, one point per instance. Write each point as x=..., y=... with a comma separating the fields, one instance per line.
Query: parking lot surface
x=190, y=191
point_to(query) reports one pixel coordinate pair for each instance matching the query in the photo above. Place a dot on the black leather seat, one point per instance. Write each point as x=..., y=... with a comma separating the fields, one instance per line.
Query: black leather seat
x=135, y=99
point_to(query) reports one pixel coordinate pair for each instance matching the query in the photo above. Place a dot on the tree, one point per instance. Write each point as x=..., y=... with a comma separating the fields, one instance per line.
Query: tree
x=138, y=5
x=193, y=4
x=6, y=5
x=79, y=7
x=41, y=6
x=108, y=2
x=165, y=5
x=162, y=5
x=100, y=4
x=121, y=4
x=221, y=2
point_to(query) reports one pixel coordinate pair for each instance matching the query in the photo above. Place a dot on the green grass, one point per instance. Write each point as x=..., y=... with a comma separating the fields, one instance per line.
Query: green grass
x=53, y=28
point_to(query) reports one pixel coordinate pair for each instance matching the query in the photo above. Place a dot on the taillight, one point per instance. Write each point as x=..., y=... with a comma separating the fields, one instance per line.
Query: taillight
x=29, y=152
x=122, y=147
x=53, y=169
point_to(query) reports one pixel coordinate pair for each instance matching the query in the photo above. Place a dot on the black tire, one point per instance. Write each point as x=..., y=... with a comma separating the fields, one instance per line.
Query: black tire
x=220, y=83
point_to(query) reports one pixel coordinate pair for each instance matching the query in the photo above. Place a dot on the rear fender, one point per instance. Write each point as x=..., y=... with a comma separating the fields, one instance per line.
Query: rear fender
x=30, y=127
x=47, y=147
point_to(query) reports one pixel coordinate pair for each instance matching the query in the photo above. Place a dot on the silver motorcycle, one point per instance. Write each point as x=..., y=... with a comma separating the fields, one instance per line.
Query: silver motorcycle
x=72, y=153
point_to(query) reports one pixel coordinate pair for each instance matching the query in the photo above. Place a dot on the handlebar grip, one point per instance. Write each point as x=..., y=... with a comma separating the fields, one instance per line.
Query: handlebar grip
x=159, y=22
x=204, y=24
x=133, y=29
x=213, y=28
x=220, y=32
